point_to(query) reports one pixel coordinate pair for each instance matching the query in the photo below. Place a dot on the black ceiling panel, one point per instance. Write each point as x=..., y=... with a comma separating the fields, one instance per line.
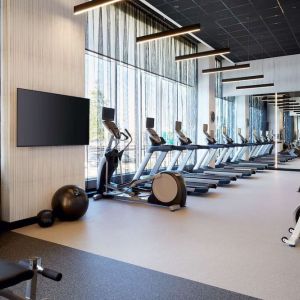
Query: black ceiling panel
x=253, y=29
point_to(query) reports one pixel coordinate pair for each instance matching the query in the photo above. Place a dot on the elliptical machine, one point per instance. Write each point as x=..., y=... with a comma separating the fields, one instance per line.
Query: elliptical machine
x=166, y=188
x=295, y=232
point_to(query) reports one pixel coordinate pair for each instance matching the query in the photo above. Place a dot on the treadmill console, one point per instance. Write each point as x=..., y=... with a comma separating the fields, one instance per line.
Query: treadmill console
x=184, y=140
x=225, y=135
x=113, y=129
x=244, y=140
x=155, y=139
x=257, y=139
x=209, y=138
x=108, y=116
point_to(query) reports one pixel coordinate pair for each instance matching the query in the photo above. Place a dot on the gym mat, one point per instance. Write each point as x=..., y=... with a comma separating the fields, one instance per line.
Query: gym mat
x=88, y=276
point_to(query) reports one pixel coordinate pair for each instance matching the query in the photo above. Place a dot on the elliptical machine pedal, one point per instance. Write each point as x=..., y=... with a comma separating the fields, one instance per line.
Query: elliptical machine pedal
x=295, y=232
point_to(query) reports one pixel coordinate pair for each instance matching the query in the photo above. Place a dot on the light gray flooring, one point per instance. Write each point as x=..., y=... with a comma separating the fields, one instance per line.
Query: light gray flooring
x=295, y=164
x=230, y=238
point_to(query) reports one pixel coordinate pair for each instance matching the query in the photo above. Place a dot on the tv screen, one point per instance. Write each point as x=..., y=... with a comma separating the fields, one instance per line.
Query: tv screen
x=46, y=119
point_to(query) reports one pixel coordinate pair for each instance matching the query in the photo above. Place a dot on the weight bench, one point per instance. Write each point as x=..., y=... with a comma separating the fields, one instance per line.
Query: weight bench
x=12, y=274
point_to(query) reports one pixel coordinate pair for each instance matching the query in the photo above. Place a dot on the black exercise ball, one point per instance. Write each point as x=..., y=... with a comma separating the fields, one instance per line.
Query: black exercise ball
x=70, y=203
x=45, y=218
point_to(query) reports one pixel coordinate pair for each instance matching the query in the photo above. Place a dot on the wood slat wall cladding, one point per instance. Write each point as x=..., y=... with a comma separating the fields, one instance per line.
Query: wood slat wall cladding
x=43, y=49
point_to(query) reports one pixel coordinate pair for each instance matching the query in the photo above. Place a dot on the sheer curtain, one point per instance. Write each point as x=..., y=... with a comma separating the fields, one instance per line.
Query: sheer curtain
x=258, y=116
x=225, y=110
x=140, y=81
x=225, y=116
x=289, y=134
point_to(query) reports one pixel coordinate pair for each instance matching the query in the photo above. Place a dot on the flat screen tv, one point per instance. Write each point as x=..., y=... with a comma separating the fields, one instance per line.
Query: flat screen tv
x=46, y=119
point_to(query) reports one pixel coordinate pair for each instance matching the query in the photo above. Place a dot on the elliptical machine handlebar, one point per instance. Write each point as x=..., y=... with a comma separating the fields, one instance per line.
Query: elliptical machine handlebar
x=128, y=136
x=128, y=133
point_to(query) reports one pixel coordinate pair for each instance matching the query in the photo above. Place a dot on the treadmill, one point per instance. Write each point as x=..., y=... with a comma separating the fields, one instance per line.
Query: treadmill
x=240, y=159
x=237, y=158
x=224, y=159
x=211, y=158
x=190, y=148
x=197, y=185
x=261, y=152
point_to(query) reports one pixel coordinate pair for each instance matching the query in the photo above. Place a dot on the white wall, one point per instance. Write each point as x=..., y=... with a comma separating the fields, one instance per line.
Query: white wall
x=43, y=49
x=242, y=114
x=272, y=124
x=206, y=96
x=283, y=71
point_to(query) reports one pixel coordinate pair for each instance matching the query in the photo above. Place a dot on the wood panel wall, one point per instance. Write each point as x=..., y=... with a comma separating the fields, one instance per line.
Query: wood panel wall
x=43, y=49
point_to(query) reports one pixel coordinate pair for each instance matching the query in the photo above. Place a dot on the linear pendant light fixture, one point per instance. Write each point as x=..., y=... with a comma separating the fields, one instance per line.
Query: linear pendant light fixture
x=245, y=78
x=226, y=69
x=254, y=86
x=282, y=102
x=289, y=106
x=203, y=54
x=270, y=95
x=273, y=99
x=279, y=100
x=279, y=97
x=168, y=33
x=94, y=4
x=289, y=102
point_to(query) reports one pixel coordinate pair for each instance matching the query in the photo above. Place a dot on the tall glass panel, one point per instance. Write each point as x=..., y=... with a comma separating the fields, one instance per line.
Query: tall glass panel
x=225, y=117
x=140, y=81
x=258, y=117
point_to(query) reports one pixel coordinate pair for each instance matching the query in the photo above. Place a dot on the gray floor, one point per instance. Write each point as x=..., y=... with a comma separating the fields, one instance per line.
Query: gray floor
x=230, y=238
x=88, y=276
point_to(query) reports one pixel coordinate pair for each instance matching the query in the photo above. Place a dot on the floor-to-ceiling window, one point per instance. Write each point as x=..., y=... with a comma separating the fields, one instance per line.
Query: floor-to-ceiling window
x=258, y=117
x=226, y=117
x=139, y=81
x=289, y=132
x=225, y=110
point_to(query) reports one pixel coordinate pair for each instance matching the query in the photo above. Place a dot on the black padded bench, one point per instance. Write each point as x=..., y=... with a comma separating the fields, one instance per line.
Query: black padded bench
x=12, y=274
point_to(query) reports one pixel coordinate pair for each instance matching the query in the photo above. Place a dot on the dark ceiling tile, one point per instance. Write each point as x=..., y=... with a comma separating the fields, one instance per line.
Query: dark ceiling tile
x=221, y=14
x=213, y=7
x=234, y=27
x=245, y=9
x=264, y=4
x=234, y=3
x=227, y=22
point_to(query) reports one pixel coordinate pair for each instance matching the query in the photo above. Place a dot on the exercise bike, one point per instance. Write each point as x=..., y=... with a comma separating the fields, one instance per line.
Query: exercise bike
x=166, y=188
x=295, y=232
x=12, y=274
